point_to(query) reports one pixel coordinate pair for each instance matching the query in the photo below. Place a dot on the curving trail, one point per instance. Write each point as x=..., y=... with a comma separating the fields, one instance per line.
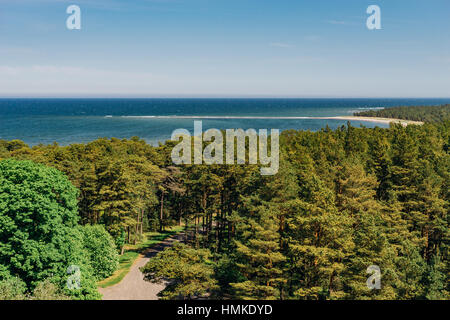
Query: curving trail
x=133, y=286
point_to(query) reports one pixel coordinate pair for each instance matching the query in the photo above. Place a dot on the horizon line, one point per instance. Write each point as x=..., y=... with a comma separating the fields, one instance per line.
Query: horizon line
x=213, y=97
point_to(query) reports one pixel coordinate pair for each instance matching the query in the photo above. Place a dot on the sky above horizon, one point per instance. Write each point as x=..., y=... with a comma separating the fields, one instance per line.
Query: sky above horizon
x=223, y=48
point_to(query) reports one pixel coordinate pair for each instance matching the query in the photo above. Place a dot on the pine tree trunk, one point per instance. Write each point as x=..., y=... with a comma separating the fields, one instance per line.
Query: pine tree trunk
x=136, y=228
x=186, y=229
x=142, y=222
x=161, y=227
x=196, y=232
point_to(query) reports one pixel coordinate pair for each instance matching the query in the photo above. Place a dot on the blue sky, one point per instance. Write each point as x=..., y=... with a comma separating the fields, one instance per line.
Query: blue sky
x=224, y=48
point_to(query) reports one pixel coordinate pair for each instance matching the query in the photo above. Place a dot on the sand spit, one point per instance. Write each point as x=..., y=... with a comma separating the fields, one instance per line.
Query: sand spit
x=349, y=118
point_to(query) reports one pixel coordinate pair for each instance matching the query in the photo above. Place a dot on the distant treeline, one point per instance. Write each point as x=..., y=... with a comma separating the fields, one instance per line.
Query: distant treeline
x=416, y=113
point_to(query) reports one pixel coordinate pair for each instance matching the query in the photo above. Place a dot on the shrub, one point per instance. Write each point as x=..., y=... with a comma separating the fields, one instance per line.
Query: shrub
x=101, y=250
x=12, y=289
x=46, y=290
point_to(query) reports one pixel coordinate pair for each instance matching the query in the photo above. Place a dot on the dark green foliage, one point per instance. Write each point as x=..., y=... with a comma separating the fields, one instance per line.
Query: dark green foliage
x=419, y=113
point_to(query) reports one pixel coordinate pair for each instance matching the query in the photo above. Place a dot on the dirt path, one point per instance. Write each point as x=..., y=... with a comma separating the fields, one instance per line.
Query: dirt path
x=133, y=286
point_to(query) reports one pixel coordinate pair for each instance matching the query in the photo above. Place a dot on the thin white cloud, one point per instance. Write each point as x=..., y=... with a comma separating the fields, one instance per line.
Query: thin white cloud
x=51, y=70
x=16, y=50
x=339, y=22
x=280, y=45
x=294, y=61
x=43, y=79
x=312, y=38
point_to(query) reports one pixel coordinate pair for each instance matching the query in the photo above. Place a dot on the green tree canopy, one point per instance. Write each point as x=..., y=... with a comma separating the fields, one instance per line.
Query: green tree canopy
x=38, y=219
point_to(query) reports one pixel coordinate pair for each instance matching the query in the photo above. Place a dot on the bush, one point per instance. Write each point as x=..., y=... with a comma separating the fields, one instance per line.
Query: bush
x=46, y=290
x=189, y=271
x=101, y=250
x=12, y=289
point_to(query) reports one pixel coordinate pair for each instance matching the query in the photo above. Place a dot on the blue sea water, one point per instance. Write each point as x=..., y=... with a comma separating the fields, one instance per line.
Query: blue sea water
x=66, y=121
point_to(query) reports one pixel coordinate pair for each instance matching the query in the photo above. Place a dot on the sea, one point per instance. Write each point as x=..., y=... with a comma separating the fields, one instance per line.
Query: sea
x=67, y=121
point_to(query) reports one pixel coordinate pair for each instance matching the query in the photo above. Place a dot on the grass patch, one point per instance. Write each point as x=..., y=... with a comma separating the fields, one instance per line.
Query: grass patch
x=132, y=252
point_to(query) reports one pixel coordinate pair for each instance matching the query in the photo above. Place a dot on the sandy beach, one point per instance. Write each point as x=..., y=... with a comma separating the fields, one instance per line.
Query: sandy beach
x=349, y=118
x=380, y=120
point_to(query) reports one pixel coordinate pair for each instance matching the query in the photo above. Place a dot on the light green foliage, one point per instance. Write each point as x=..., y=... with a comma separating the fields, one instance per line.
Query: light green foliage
x=15, y=289
x=46, y=290
x=189, y=270
x=12, y=288
x=38, y=210
x=38, y=219
x=101, y=250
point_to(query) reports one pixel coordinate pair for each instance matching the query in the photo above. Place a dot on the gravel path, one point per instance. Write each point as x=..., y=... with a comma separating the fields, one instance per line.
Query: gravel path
x=133, y=286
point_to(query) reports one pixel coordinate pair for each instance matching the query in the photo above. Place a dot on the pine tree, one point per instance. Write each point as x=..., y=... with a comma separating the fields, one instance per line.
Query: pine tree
x=319, y=243
x=258, y=251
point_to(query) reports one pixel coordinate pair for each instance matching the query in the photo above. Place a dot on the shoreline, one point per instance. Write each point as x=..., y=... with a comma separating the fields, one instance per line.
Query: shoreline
x=349, y=118
x=380, y=120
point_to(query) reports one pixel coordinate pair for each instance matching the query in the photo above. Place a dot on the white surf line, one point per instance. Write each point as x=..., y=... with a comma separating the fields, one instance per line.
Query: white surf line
x=349, y=118
x=237, y=117
x=217, y=117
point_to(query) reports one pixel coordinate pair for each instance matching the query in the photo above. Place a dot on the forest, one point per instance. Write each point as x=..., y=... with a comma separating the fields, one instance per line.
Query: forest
x=416, y=113
x=342, y=200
